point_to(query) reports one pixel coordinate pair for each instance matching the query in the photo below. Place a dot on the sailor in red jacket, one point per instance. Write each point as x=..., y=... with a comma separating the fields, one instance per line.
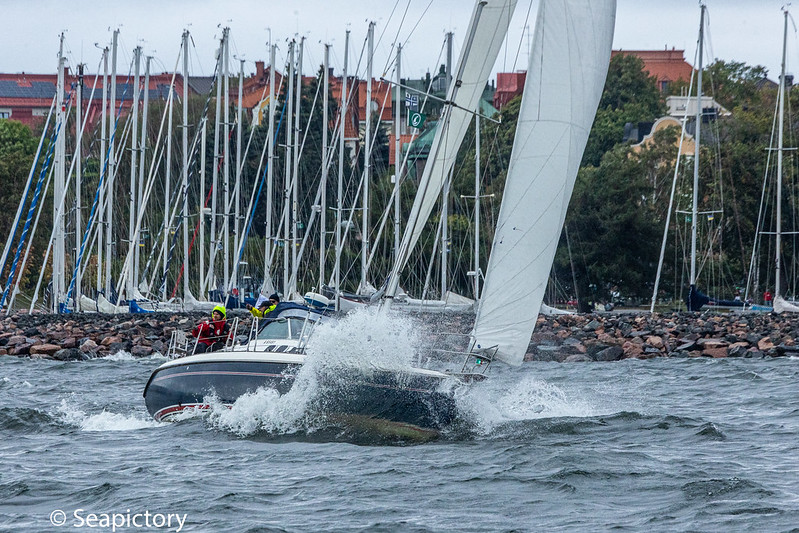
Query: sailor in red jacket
x=212, y=334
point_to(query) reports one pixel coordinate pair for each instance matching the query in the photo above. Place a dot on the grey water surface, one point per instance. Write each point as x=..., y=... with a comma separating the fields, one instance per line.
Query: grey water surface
x=657, y=445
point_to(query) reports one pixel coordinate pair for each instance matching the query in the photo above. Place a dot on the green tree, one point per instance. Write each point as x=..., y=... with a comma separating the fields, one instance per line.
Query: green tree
x=630, y=95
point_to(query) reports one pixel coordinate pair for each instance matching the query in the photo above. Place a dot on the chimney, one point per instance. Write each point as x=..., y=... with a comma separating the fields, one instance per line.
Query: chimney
x=259, y=70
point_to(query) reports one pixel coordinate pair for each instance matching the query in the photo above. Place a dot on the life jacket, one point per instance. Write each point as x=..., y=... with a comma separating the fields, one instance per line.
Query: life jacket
x=211, y=331
x=256, y=312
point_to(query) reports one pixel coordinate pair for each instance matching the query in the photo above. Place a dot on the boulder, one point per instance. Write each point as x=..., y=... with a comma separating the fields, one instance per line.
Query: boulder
x=612, y=353
x=716, y=353
x=69, y=342
x=88, y=346
x=655, y=341
x=737, y=350
x=44, y=349
x=765, y=344
x=141, y=351
x=69, y=354
x=111, y=339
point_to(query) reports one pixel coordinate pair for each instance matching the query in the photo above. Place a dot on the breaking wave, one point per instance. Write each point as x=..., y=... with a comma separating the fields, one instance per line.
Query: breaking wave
x=68, y=413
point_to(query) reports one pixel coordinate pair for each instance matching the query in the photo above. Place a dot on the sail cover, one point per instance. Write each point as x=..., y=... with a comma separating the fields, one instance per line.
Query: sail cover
x=568, y=65
x=487, y=29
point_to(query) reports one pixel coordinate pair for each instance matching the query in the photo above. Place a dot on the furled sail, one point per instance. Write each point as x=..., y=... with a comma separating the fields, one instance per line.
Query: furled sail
x=568, y=65
x=487, y=29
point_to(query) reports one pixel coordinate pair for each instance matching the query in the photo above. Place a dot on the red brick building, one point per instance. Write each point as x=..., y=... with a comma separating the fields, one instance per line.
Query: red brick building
x=27, y=97
x=509, y=85
x=667, y=66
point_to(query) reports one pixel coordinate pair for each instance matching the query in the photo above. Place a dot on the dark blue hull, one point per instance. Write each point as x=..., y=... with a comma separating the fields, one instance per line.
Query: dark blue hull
x=396, y=397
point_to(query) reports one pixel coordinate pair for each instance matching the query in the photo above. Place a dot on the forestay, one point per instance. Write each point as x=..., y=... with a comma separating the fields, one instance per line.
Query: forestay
x=568, y=65
x=487, y=29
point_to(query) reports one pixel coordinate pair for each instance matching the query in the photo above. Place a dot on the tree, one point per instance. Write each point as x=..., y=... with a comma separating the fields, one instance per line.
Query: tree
x=630, y=95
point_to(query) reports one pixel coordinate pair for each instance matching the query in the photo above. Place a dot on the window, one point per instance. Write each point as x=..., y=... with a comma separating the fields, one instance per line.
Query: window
x=664, y=86
x=277, y=329
x=5, y=112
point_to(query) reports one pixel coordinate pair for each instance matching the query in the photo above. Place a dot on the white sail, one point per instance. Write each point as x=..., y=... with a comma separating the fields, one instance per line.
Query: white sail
x=487, y=29
x=568, y=65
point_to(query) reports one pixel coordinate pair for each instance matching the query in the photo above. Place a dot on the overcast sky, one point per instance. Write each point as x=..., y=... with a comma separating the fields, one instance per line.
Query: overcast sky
x=741, y=30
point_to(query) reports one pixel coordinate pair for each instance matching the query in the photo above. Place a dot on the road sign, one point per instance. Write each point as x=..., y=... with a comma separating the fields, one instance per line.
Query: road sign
x=416, y=120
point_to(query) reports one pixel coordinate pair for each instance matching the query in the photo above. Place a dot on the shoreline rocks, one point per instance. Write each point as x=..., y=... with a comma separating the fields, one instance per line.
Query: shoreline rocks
x=78, y=336
x=561, y=338
x=612, y=337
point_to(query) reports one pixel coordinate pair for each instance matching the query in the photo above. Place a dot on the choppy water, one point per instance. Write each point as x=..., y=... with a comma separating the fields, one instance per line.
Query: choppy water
x=658, y=445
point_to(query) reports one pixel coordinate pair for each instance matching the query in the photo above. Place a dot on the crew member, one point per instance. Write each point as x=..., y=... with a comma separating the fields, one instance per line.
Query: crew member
x=265, y=307
x=212, y=334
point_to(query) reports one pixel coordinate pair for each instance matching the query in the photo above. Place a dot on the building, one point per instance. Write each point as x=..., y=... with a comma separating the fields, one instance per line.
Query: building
x=666, y=66
x=509, y=85
x=27, y=97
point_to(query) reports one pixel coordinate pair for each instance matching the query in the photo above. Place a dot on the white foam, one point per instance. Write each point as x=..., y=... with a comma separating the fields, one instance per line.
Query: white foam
x=121, y=355
x=495, y=402
x=367, y=338
x=262, y=410
x=103, y=421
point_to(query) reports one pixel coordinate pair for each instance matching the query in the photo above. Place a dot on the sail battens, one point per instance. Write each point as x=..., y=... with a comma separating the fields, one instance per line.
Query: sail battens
x=566, y=74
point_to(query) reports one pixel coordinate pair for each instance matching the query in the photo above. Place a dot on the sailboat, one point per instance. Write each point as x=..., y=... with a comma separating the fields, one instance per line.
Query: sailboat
x=567, y=70
x=780, y=304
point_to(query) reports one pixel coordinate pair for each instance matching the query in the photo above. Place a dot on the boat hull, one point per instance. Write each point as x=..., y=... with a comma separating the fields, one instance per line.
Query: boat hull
x=408, y=399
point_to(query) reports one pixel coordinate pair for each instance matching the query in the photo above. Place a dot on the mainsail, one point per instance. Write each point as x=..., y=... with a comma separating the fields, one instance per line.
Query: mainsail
x=487, y=29
x=568, y=65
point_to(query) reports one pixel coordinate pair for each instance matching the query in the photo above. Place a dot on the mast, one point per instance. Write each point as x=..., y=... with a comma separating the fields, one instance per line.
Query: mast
x=168, y=188
x=185, y=167
x=397, y=152
x=270, y=164
x=477, y=206
x=323, y=200
x=237, y=200
x=367, y=157
x=287, y=179
x=695, y=204
x=780, y=132
x=103, y=140
x=201, y=201
x=296, y=163
x=215, y=171
x=111, y=172
x=143, y=149
x=445, y=193
x=59, y=184
x=340, y=186
x=226, y=169
x=78, y=184
x=134, y=149
x=59, y=253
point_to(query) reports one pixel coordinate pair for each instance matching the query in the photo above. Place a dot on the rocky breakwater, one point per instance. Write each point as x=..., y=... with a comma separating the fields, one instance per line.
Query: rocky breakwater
x=81, y=336
x=611, y=337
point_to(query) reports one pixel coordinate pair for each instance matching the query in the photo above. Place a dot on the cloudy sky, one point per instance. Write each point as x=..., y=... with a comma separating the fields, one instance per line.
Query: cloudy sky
x=742, y=30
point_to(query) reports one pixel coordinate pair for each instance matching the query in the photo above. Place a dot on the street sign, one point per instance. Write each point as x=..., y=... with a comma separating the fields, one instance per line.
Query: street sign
x=416, y=120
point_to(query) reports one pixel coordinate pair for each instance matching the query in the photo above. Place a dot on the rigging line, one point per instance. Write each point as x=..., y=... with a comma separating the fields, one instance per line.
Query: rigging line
x=391, y=48
x=278, y=230
x=521, y=39
x=251, y=209
x=90, y=221
x=15, y=225
x=761, y=211
x=156, y=162
x=31, y=209
x=418, y=21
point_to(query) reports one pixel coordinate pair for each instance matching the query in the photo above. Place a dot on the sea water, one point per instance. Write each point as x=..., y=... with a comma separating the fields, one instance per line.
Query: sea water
x=655, y=445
